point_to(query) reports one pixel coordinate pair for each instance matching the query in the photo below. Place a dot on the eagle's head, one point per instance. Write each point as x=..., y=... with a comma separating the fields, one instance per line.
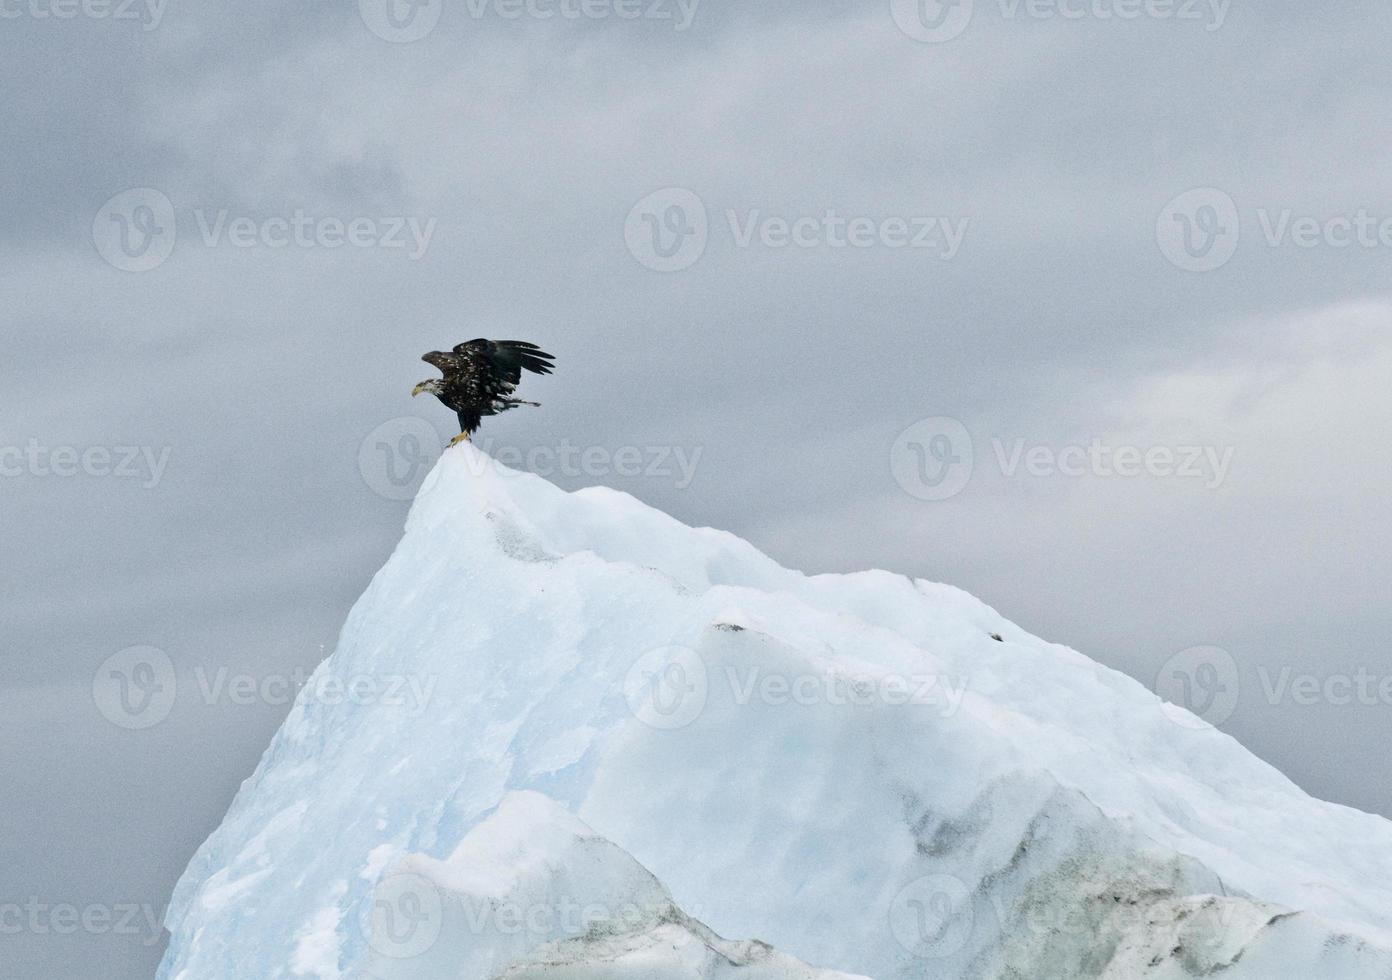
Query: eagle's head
x=434, y=386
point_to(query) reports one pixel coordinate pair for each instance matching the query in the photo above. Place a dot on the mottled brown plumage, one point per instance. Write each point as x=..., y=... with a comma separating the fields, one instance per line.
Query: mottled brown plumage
x=480, y=377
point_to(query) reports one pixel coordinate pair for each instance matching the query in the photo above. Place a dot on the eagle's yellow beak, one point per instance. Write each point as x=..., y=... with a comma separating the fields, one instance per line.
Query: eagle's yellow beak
x=417, y=389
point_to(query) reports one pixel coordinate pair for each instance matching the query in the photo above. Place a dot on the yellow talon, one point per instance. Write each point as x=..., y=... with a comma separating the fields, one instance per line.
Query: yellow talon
x=462, y=437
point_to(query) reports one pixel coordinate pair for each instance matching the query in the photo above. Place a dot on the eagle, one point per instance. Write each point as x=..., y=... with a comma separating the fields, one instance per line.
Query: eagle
x=480, y=377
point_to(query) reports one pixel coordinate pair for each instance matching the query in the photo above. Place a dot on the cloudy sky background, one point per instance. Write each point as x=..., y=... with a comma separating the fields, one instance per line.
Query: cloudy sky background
x=268, y=379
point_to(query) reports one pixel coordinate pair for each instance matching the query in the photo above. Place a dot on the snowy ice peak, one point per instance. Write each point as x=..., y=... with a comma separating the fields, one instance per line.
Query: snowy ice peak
x=642, y=737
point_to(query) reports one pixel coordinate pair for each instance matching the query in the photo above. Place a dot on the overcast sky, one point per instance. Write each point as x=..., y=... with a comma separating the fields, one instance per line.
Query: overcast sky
x=1082, y=306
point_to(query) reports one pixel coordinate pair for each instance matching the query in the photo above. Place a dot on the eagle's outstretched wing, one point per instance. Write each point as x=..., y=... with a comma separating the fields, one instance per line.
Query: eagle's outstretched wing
x=509, y=357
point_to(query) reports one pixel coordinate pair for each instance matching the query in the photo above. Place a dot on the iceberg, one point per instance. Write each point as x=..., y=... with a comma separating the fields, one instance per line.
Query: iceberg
x=565, y=736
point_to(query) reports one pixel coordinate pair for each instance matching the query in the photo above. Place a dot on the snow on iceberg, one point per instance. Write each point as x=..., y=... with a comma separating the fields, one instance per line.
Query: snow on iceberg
x=532, y=893
x=547, y=702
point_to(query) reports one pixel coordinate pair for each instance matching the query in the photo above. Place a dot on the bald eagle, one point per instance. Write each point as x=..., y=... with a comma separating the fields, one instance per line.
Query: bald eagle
x=480, y=377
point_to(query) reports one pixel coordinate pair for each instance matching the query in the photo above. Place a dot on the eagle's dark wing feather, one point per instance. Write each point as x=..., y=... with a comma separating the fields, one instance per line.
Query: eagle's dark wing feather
x=509, y=357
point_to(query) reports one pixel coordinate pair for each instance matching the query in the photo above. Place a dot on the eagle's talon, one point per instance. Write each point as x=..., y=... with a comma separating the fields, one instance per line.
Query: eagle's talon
x=462, y=437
